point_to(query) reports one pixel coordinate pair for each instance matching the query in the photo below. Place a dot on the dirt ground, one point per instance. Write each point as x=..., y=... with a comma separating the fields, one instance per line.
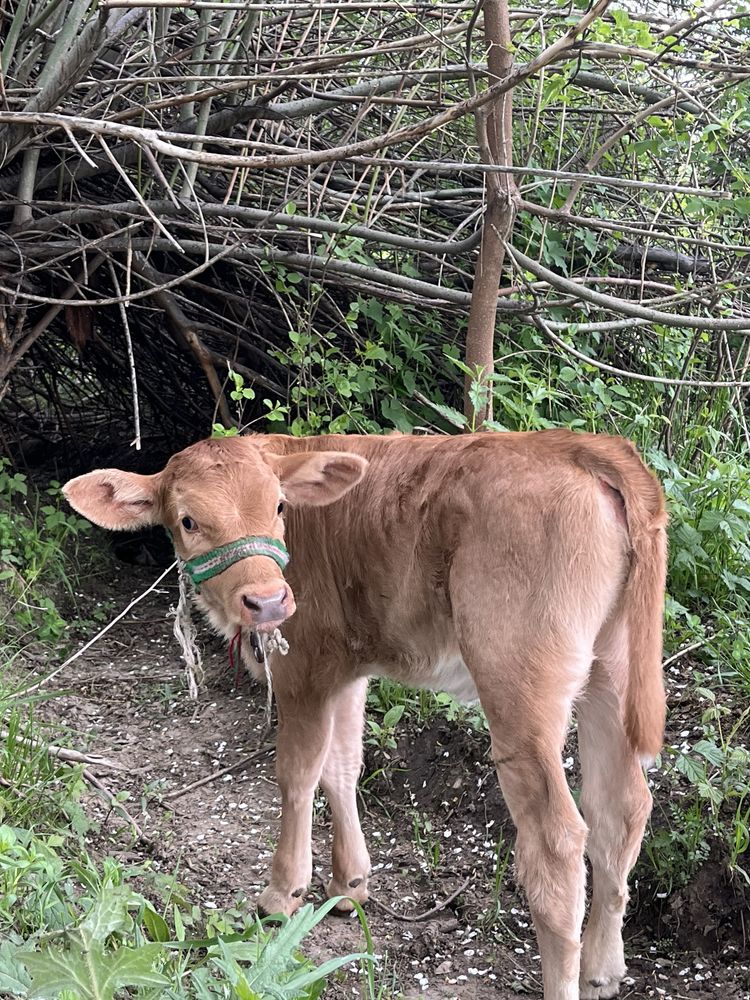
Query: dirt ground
x=431, y=810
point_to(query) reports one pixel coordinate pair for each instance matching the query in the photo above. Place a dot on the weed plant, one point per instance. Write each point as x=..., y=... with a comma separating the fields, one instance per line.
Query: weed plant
x=74, y=928
x=38, y=552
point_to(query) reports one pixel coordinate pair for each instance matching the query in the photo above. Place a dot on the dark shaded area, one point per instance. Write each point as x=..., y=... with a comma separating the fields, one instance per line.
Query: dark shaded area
x=636, y=257
x=69, y=403
x=707, y=917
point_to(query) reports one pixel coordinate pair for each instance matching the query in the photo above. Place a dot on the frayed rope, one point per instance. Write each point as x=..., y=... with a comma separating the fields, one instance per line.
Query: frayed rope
x=273, y=643
x=267, y=644
x=184, y=632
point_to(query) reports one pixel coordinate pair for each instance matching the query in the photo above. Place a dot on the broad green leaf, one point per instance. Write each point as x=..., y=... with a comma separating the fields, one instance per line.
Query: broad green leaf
x=108, y=914
x=156, y=925
x=179, y=926
x=712, y=753
x=7, y=838
x=54, y=971
x=393, y=716
x=394, y=412
x=13, y=976
x=454, y=417
x=241, y=951
x=692, y=770
x=92, y=972
x=134, y=967
x=307, y=979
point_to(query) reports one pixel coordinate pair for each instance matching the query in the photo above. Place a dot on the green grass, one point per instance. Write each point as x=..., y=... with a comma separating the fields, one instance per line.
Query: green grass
x=74, y=926
x=39, y=561
x=33, y=783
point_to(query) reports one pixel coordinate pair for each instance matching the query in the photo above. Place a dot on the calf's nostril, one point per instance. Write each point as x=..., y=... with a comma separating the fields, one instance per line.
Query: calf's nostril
x=266, y=607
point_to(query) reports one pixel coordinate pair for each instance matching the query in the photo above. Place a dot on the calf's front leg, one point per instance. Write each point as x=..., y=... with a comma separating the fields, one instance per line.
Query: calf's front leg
x=343, y=763
x=303, y=740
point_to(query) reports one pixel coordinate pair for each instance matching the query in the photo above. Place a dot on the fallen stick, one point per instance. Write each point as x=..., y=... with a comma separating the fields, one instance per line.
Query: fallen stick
x=99, y=634
x=76, y=757
x=419, y=917
x=66, y=754
x=260, y=752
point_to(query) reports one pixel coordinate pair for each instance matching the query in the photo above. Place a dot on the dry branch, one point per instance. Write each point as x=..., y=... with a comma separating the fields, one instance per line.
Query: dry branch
x=262, y=751
x=333, y=141
x=495, y=139
x=625, y=307
x=67, y=754
x=185, y=330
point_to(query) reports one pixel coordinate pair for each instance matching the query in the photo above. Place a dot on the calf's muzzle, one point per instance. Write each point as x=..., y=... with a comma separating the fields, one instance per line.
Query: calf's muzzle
x=258, y=608
x=260, y=603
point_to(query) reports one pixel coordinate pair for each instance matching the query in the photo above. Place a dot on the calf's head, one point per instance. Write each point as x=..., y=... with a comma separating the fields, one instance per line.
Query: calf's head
x=223, y=502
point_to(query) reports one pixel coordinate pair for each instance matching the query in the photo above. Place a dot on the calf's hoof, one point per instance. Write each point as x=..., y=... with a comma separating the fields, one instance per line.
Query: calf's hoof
x=599, y=989
x=272, y=901
x=355, y=888
x=602, y=968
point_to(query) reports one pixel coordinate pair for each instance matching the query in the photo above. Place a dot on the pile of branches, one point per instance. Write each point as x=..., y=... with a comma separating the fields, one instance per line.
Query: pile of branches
x=165, y=165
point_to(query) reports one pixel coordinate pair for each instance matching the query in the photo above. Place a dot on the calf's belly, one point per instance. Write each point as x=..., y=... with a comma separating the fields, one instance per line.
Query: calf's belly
x=450, y=674
x=447, y=673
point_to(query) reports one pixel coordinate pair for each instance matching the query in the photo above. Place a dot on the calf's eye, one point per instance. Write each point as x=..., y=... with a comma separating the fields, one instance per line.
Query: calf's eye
x=281, y=508
x=189, y=524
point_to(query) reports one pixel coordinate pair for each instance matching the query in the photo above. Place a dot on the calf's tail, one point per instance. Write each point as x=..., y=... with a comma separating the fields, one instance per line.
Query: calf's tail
x=618, y=464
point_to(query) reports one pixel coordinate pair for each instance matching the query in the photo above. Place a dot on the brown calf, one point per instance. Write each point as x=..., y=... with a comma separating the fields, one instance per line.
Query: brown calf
x=523, y=569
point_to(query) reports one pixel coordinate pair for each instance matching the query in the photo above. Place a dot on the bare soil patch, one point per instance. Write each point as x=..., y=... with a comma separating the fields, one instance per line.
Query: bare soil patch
x=432, y=814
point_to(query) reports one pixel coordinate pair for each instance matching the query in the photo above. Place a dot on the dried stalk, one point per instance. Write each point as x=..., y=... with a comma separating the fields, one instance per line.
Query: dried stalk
x=336, y=142
x=495, y=138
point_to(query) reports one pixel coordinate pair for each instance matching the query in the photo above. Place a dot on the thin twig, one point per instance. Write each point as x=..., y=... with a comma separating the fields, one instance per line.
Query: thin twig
x=157, y=222
x=114, y=802
x=8, y=364
x=262, y=751
x=683, y=652
x=131, y=358
x=428, y=914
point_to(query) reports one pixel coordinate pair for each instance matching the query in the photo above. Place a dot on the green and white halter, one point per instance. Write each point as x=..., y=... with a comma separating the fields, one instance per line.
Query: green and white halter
x=210, y=564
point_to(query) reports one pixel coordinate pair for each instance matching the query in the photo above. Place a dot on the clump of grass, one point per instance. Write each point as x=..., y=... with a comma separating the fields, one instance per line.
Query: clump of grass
x=36, y=789
x=708, y=810
x=38, y=559
x=38, y=550
x=73, y=927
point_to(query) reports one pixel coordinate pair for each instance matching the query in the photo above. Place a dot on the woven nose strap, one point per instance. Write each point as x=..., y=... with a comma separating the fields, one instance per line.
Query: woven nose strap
x=203, y=567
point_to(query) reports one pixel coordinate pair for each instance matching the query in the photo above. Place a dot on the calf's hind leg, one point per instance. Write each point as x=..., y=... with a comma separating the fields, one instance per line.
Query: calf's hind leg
x=616, y=804
x=528, y=703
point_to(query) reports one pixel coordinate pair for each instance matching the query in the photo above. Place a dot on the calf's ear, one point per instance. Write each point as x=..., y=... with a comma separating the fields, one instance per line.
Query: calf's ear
x=120, y=501
x=318, y=478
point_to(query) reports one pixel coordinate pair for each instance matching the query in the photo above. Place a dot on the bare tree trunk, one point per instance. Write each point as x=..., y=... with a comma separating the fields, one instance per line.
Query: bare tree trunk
x=494, y=125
